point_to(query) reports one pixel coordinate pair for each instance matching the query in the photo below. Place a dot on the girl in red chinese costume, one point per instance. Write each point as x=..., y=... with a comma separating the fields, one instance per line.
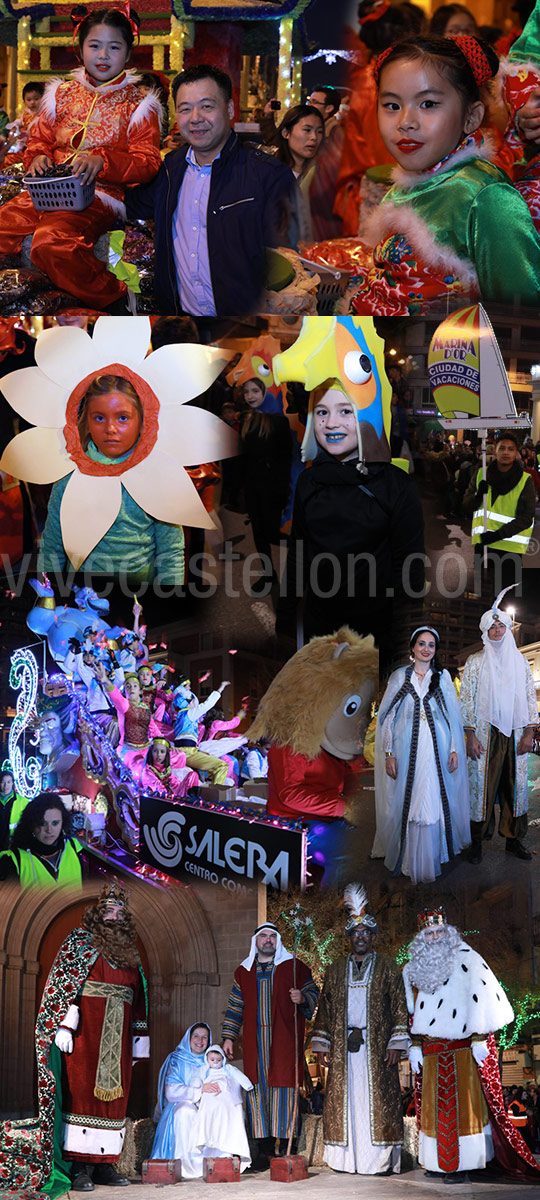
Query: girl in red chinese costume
x=100, y=123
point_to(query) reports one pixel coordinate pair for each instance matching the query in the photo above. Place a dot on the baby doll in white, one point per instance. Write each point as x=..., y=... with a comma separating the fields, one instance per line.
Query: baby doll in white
x=219, y=1130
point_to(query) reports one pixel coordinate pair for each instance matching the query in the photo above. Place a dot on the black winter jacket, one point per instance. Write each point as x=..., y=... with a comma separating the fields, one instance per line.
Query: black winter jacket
x=364, y=527
x=251, y=197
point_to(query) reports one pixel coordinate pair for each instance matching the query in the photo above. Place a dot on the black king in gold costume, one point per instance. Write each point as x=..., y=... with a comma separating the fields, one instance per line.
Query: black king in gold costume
x=361, y=1033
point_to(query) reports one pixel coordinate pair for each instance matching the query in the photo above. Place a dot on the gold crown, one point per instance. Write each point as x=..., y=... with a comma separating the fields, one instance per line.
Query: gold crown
x=114, y=892
x=430, y=917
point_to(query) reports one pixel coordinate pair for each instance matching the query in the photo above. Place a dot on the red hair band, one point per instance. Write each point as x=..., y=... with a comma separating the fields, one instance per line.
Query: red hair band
x=470, y=48
x=379, y=62
x=125, y=11
x=378, y=11
x=477, y=59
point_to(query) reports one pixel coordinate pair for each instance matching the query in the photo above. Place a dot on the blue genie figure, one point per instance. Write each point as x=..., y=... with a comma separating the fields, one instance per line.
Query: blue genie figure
x=59, y=625
x=343, y=354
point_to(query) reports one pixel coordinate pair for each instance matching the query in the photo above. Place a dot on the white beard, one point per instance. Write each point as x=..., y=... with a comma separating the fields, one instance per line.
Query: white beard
x=433, y=962
x=468, y=999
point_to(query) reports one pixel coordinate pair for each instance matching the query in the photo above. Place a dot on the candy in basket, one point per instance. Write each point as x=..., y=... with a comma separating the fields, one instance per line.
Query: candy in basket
x=58, y=188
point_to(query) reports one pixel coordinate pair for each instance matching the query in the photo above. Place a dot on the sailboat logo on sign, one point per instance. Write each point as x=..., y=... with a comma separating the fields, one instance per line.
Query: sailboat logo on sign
x=455, y=362
x=467, y=374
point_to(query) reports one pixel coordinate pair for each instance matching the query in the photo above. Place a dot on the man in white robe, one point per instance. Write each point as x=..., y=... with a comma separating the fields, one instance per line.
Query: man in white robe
x=499, y=710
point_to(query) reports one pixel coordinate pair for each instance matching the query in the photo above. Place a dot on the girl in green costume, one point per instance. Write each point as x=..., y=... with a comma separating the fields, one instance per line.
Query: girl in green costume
x=452, y=224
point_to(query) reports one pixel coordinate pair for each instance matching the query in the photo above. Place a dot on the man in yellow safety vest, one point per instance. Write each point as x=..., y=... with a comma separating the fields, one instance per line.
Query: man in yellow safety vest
x=506, y=528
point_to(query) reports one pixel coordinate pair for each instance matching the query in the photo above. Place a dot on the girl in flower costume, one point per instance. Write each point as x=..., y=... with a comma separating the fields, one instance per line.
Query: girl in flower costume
x=100, y=123
x=110, y=422
x=437, y=233
x=113, y=432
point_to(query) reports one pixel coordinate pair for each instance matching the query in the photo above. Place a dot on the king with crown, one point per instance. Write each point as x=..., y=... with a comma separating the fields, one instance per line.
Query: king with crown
x=91, y=1026
x=455, y=1004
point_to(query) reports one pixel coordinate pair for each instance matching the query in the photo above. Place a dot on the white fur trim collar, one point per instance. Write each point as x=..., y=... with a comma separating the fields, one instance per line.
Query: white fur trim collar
x=410, y=179
x=104, y=89
x=149, y=104
x=48, y=104
x=513, y=66
x=113, y=202
x=471, y=1001
x=401, y=218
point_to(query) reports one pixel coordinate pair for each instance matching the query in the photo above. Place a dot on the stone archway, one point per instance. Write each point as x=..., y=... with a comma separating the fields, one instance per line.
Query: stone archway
x=179, y=947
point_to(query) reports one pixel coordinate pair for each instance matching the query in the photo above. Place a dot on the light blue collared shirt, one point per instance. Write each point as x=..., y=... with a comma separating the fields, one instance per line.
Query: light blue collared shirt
x=190, y=242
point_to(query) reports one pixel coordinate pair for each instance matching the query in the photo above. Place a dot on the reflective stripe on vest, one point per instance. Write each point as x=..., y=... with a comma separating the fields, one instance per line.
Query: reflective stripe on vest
x=19, y=805
x=500, y=512
x=32, y=871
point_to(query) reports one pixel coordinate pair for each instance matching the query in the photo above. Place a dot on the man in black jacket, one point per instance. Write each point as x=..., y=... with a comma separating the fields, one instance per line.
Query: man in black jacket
x=217, y=205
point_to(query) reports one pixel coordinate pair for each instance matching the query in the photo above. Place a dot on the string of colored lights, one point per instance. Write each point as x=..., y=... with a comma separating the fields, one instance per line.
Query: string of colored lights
x=304, y=929
x=330, y=56
x=526, y=1008
x=23, y=676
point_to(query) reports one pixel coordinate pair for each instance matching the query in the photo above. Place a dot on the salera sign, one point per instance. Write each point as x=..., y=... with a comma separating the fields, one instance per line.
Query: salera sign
x=187, y=842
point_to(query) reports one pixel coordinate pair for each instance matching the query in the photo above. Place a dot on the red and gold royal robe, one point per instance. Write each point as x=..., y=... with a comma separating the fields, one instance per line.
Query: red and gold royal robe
x=101, y=1063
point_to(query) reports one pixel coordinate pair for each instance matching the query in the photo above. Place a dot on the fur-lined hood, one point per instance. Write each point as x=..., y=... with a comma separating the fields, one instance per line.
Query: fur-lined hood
x=301, y=699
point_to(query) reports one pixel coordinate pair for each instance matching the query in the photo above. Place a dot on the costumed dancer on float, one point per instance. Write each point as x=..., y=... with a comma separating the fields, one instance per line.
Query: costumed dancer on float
x=430, y=111
x=135, y=721
x=456, y=1003
x=162, y=695
x=188, y=712
x=80, y=663
x=421, y=786
x=255, y=764
x=114, y=441
x=148, y=687
x=180, y=1089
x=220, y=1130
x=212, y=726
x=94, y=1009
x=100, y=123
x=360, y=1033
x=262, y=1001
x=165, y=770
x=499, y=710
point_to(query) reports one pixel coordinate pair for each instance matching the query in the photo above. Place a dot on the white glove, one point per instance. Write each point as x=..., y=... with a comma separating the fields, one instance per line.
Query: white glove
x=479, y=1051
x=71, y=1019
x=416, y=1059
x=141, y=1047
x=64, y=1041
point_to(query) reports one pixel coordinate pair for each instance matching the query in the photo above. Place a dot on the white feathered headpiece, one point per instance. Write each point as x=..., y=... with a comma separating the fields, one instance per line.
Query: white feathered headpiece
x=497, y=614
x=355, y=899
